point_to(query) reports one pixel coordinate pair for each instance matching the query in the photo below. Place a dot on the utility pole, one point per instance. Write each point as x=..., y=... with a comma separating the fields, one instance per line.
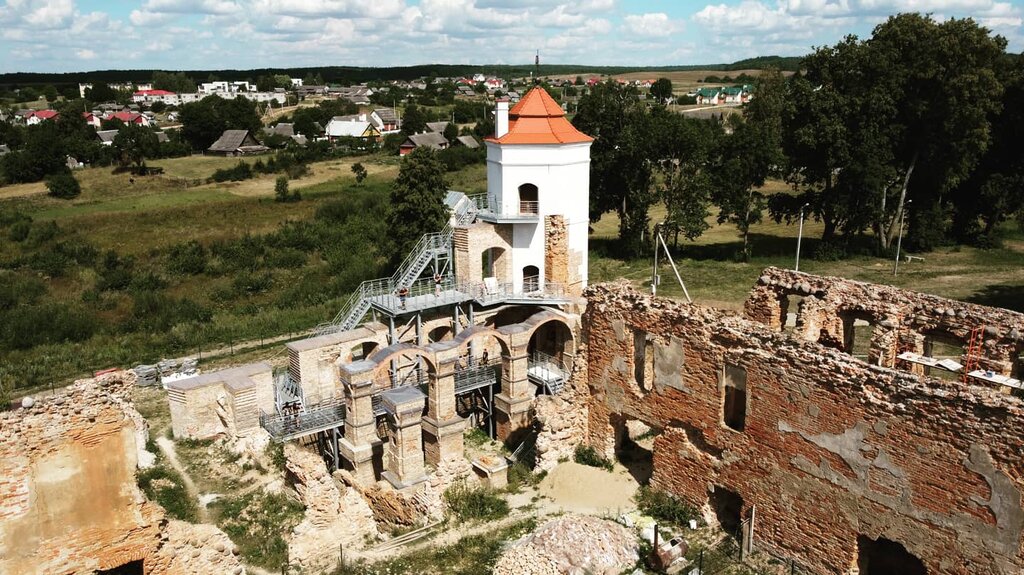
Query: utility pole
x=799, y=236
x=899, y=242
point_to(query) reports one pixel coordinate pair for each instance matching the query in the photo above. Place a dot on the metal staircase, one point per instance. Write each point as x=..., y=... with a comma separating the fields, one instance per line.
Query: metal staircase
x=435, y=248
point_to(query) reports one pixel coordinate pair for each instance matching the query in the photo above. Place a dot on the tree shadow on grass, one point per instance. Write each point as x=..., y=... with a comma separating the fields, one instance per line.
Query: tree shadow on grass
x=1000, y=295
x=761, y=245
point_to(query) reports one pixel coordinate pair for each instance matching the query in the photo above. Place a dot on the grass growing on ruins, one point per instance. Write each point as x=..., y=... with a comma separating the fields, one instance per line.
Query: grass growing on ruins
x=587, y=455
x=472, y=555
x=258, y=522
x=664, y=507
x=164, y=485
x=474, y=503
x=520, y=476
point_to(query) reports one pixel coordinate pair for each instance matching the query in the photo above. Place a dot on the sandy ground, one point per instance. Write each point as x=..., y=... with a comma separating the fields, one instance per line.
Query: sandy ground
x=576, y=488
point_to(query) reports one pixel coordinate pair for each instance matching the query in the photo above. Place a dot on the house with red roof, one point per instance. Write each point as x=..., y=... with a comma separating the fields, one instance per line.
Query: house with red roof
x=128, y=118
x=153, y=96
x=38, y=116
x=91, y=119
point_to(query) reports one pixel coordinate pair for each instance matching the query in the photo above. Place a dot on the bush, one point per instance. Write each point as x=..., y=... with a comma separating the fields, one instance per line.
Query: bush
x=457, y=157
x=189, y=258
x=166, y=487
x=587, y=455
x=63, y=186
x=241, y=171
x=829, y=252
x=281, y=189
x=664, y=506
x=469, y=503
x=360, y=172
x=19, y=230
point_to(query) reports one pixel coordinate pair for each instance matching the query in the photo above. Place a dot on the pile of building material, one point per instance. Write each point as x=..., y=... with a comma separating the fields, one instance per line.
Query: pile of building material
x=166, y=370
x=571, y=544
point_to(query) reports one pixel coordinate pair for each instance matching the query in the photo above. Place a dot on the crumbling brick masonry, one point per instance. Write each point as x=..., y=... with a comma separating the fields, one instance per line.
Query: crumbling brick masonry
x=830, y=454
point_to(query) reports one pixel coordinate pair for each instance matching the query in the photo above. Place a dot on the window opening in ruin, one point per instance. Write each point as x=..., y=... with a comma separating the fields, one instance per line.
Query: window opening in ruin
x=728, y=508
x=509, y=316
x=734, y=397
x=130, y=568
x=528, y=203
x=858, y=329
x=790, y=310
x=643, y=359
x=531, y=278
x=363, y=350
x=943, y=346
x=440, y=333
x=634, y=448
x=884, y=557
x=491, y=261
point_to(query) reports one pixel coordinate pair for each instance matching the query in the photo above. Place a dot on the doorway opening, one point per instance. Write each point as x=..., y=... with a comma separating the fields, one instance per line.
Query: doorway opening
x=884, y=557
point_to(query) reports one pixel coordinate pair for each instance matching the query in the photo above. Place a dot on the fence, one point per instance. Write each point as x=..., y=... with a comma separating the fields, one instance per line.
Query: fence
x=726, y=557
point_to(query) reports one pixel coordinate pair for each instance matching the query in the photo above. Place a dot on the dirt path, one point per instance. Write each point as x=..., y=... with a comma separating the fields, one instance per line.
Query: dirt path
x=167, y=447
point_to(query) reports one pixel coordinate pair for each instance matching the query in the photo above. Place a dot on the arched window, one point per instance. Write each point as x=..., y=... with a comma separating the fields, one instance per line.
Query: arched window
x=531, y=279
x=528, y=203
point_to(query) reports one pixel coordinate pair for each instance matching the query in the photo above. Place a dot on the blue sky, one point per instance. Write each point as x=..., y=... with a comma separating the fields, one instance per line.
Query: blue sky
x=78, y=35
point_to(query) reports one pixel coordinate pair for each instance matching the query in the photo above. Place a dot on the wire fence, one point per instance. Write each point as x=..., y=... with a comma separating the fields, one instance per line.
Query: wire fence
x=726, y=558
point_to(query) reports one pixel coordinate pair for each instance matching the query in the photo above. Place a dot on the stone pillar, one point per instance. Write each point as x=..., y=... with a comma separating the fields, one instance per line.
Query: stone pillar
x=360, y=443
x=404, y=453
x=512, y=405
x=442, y=427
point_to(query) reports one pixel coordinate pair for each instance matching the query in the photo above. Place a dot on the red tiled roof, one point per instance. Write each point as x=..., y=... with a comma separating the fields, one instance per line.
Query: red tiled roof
x=538, y=119
x=45, y=114
x=126, y=117
x=154, y=93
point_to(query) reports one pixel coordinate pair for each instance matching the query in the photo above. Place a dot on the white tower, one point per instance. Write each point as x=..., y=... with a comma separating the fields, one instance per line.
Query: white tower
x=538, y=182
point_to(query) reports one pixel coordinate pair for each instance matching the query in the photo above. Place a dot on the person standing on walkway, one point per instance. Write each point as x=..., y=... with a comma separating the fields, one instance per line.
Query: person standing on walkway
x=403, y=292
x=437, y=285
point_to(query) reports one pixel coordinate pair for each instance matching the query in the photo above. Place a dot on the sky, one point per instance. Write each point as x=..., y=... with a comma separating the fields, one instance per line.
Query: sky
x=82, y=35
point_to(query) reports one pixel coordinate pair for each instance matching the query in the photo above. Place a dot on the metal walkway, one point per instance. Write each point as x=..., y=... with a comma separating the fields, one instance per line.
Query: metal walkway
x=311, y=420
x=547, y=372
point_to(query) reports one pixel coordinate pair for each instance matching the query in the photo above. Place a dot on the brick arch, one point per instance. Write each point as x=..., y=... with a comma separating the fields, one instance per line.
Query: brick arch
x=380, y=360
x=479, y=332
x=538, y=320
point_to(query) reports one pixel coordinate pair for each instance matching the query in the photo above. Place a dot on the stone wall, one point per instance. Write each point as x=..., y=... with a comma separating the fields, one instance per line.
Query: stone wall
x=826, y=449
x=903, y=320
x=221, y=403
x=69, y=502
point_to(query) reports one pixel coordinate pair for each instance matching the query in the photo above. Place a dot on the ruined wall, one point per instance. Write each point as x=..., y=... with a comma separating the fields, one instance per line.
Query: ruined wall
x=224, y=402
x=830, y=447
x=469, y=243
x=903, y=319
x=69, y=502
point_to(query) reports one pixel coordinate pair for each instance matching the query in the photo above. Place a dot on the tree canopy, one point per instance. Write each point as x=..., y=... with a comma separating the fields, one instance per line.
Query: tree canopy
x=417, y=202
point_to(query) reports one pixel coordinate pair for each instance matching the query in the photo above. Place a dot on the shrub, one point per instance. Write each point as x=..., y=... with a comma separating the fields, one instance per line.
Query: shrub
x=241, y=171
x=664, y=506
x=474, y=503
x=63, y=186
x=166, y=487
x=587, y=455
x=19, y=230
x=189, y=258
x=257, y=523
x=360, y=172
x=829, y=252
x=281, y=189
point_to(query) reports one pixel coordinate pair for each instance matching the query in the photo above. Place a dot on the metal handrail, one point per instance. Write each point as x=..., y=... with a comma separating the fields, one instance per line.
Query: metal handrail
x=527, y=207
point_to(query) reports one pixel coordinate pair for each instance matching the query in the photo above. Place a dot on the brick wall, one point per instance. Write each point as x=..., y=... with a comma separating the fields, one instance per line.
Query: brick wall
x=830, y=447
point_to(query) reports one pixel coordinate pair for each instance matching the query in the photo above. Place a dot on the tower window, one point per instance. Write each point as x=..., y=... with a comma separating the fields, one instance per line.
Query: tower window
x=734, y=397
x=528, y=201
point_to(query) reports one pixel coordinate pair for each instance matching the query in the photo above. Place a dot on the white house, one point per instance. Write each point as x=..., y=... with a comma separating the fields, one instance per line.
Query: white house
x=538, y=175
x=351, y=127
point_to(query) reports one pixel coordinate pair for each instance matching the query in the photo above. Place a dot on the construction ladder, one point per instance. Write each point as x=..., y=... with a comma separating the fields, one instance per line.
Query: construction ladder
x=972, y=354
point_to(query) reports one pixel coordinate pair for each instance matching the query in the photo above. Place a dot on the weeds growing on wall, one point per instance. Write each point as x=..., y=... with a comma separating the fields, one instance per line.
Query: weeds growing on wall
x=587, y=455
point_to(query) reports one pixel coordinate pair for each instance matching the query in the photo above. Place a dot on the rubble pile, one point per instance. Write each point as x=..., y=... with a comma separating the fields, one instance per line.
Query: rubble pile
x=569, y=545
x=188, y=548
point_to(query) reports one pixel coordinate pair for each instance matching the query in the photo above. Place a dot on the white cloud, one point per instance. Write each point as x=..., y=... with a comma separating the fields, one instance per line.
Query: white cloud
x=656, y=24
x=192, y=6
x=85, y=54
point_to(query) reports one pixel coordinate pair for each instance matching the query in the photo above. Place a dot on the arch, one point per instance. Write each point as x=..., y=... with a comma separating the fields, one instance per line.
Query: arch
x=554, y=338
x=493, y=263
x=477, y=333
x=439, y=333
x=531, y=278
x=363, y=350
x=380, y=363
x=529, y=199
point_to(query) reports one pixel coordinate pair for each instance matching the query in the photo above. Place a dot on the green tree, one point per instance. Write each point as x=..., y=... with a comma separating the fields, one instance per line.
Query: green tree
x=50, y=93
x=417, y=202
x=414, y=120
x=751, y=154
x=360, y=172
x=281, y=189
x=451, y=131
x=101, y=92
x=620, y=159
x=685, y=147
x=177, y=82
x=134, y=143
x=662, y=90
x=63, y=186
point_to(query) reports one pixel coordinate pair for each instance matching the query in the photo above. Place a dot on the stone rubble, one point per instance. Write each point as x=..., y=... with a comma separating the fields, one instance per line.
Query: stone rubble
x=571, y=545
